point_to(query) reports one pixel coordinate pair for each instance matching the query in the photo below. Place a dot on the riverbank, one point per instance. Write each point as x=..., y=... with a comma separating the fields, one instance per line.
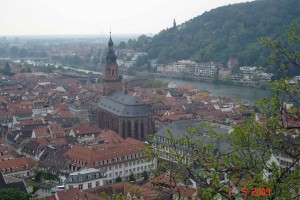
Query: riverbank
x=248, y=94
x=252, y=84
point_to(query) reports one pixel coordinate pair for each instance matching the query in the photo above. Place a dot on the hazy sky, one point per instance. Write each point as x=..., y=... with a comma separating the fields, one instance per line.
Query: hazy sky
x=60, y=17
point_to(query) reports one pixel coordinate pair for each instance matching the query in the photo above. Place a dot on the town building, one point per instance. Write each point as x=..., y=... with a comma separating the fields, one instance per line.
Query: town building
x=118, y=159
x=18, y=167
x=206, y=69
x=85, y=179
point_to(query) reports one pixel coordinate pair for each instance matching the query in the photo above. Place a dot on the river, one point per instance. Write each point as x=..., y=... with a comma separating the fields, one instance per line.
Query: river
x=248, y=94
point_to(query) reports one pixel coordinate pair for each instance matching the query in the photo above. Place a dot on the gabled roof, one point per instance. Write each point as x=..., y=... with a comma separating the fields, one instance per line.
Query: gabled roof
x=124, y=105
x=17, y=185
x=18, y=164
x=104, y=152
x=70, y=194
x=85, y=129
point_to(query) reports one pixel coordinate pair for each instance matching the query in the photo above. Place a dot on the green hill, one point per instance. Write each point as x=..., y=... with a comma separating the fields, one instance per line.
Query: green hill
x=225, y=32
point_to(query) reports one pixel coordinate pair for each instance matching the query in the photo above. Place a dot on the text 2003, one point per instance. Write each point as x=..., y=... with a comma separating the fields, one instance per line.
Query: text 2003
x=255, y=192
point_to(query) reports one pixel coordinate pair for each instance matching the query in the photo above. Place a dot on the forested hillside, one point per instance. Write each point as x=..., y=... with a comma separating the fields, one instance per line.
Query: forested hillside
x=226, y=32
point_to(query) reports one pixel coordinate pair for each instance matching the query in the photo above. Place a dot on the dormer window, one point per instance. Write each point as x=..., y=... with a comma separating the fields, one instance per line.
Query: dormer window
x=80, y=178
x=89, y=177
x=70, y=179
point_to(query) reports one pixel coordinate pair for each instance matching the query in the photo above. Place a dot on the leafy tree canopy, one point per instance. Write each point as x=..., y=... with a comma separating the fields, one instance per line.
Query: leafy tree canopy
x=225, y=32
x=13, y=194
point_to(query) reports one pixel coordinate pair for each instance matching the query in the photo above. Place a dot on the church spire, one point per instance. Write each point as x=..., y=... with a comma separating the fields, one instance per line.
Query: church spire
x=111, y=56
x=110, y=43
x=111, y=81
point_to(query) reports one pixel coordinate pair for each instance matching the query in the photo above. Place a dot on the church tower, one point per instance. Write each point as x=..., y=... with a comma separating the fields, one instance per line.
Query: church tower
x=112, y=80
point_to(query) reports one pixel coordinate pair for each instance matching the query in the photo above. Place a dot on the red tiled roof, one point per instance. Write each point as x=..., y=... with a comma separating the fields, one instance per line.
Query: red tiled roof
x=60, y=106
x=6, y=157
x=18, y=163
x=42, y=141
x=56, y=130
x=161, y=179
x=31, y=122
x=175, y=117
x=126, y=188
x=66, y=114
x=8, y=149
x=70, y=194
x=104, y=152
x=41, y=132
x=59, y=142
x=189, y=87
x=110, y=137
x=187, y=192
x=6, y=114
x=86, y=129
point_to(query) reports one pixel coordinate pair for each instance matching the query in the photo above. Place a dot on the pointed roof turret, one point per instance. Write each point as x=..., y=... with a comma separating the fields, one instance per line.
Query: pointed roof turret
x=110, y=43
x=111, y=56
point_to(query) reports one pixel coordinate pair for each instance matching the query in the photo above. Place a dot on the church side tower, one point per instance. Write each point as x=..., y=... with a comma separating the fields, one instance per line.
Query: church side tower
x=112, y=80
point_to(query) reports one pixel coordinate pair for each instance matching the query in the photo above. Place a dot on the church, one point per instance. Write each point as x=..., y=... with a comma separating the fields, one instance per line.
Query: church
x=125, y=114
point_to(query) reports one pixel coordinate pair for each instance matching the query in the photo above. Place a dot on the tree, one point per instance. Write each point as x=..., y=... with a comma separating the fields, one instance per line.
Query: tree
x=243, y=162
x=14, y=51
x=145, y=175
x=12, y=194
x=28, y=70
x=23, y=70
x=132, y=178
x=122, y=45
x=118, y=179
x=6, y=71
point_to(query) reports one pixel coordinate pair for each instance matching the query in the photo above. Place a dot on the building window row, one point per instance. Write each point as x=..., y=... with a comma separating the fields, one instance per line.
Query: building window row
x=103, y=162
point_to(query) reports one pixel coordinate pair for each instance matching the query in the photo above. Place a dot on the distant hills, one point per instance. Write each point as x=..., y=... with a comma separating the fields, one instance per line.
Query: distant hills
x=225, y=32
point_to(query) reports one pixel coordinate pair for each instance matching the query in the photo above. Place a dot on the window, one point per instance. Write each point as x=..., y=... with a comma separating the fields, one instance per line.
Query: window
x=97, y=175
x=89, y=185
x=80, y=186
x=116, y=166
x=70, y=179
x=89, y=177
x=109, y=168
x=116, y=173
x=109, y=174
x=80, y=178
x=97, y=183
x=126, y=171
x=120, y=165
